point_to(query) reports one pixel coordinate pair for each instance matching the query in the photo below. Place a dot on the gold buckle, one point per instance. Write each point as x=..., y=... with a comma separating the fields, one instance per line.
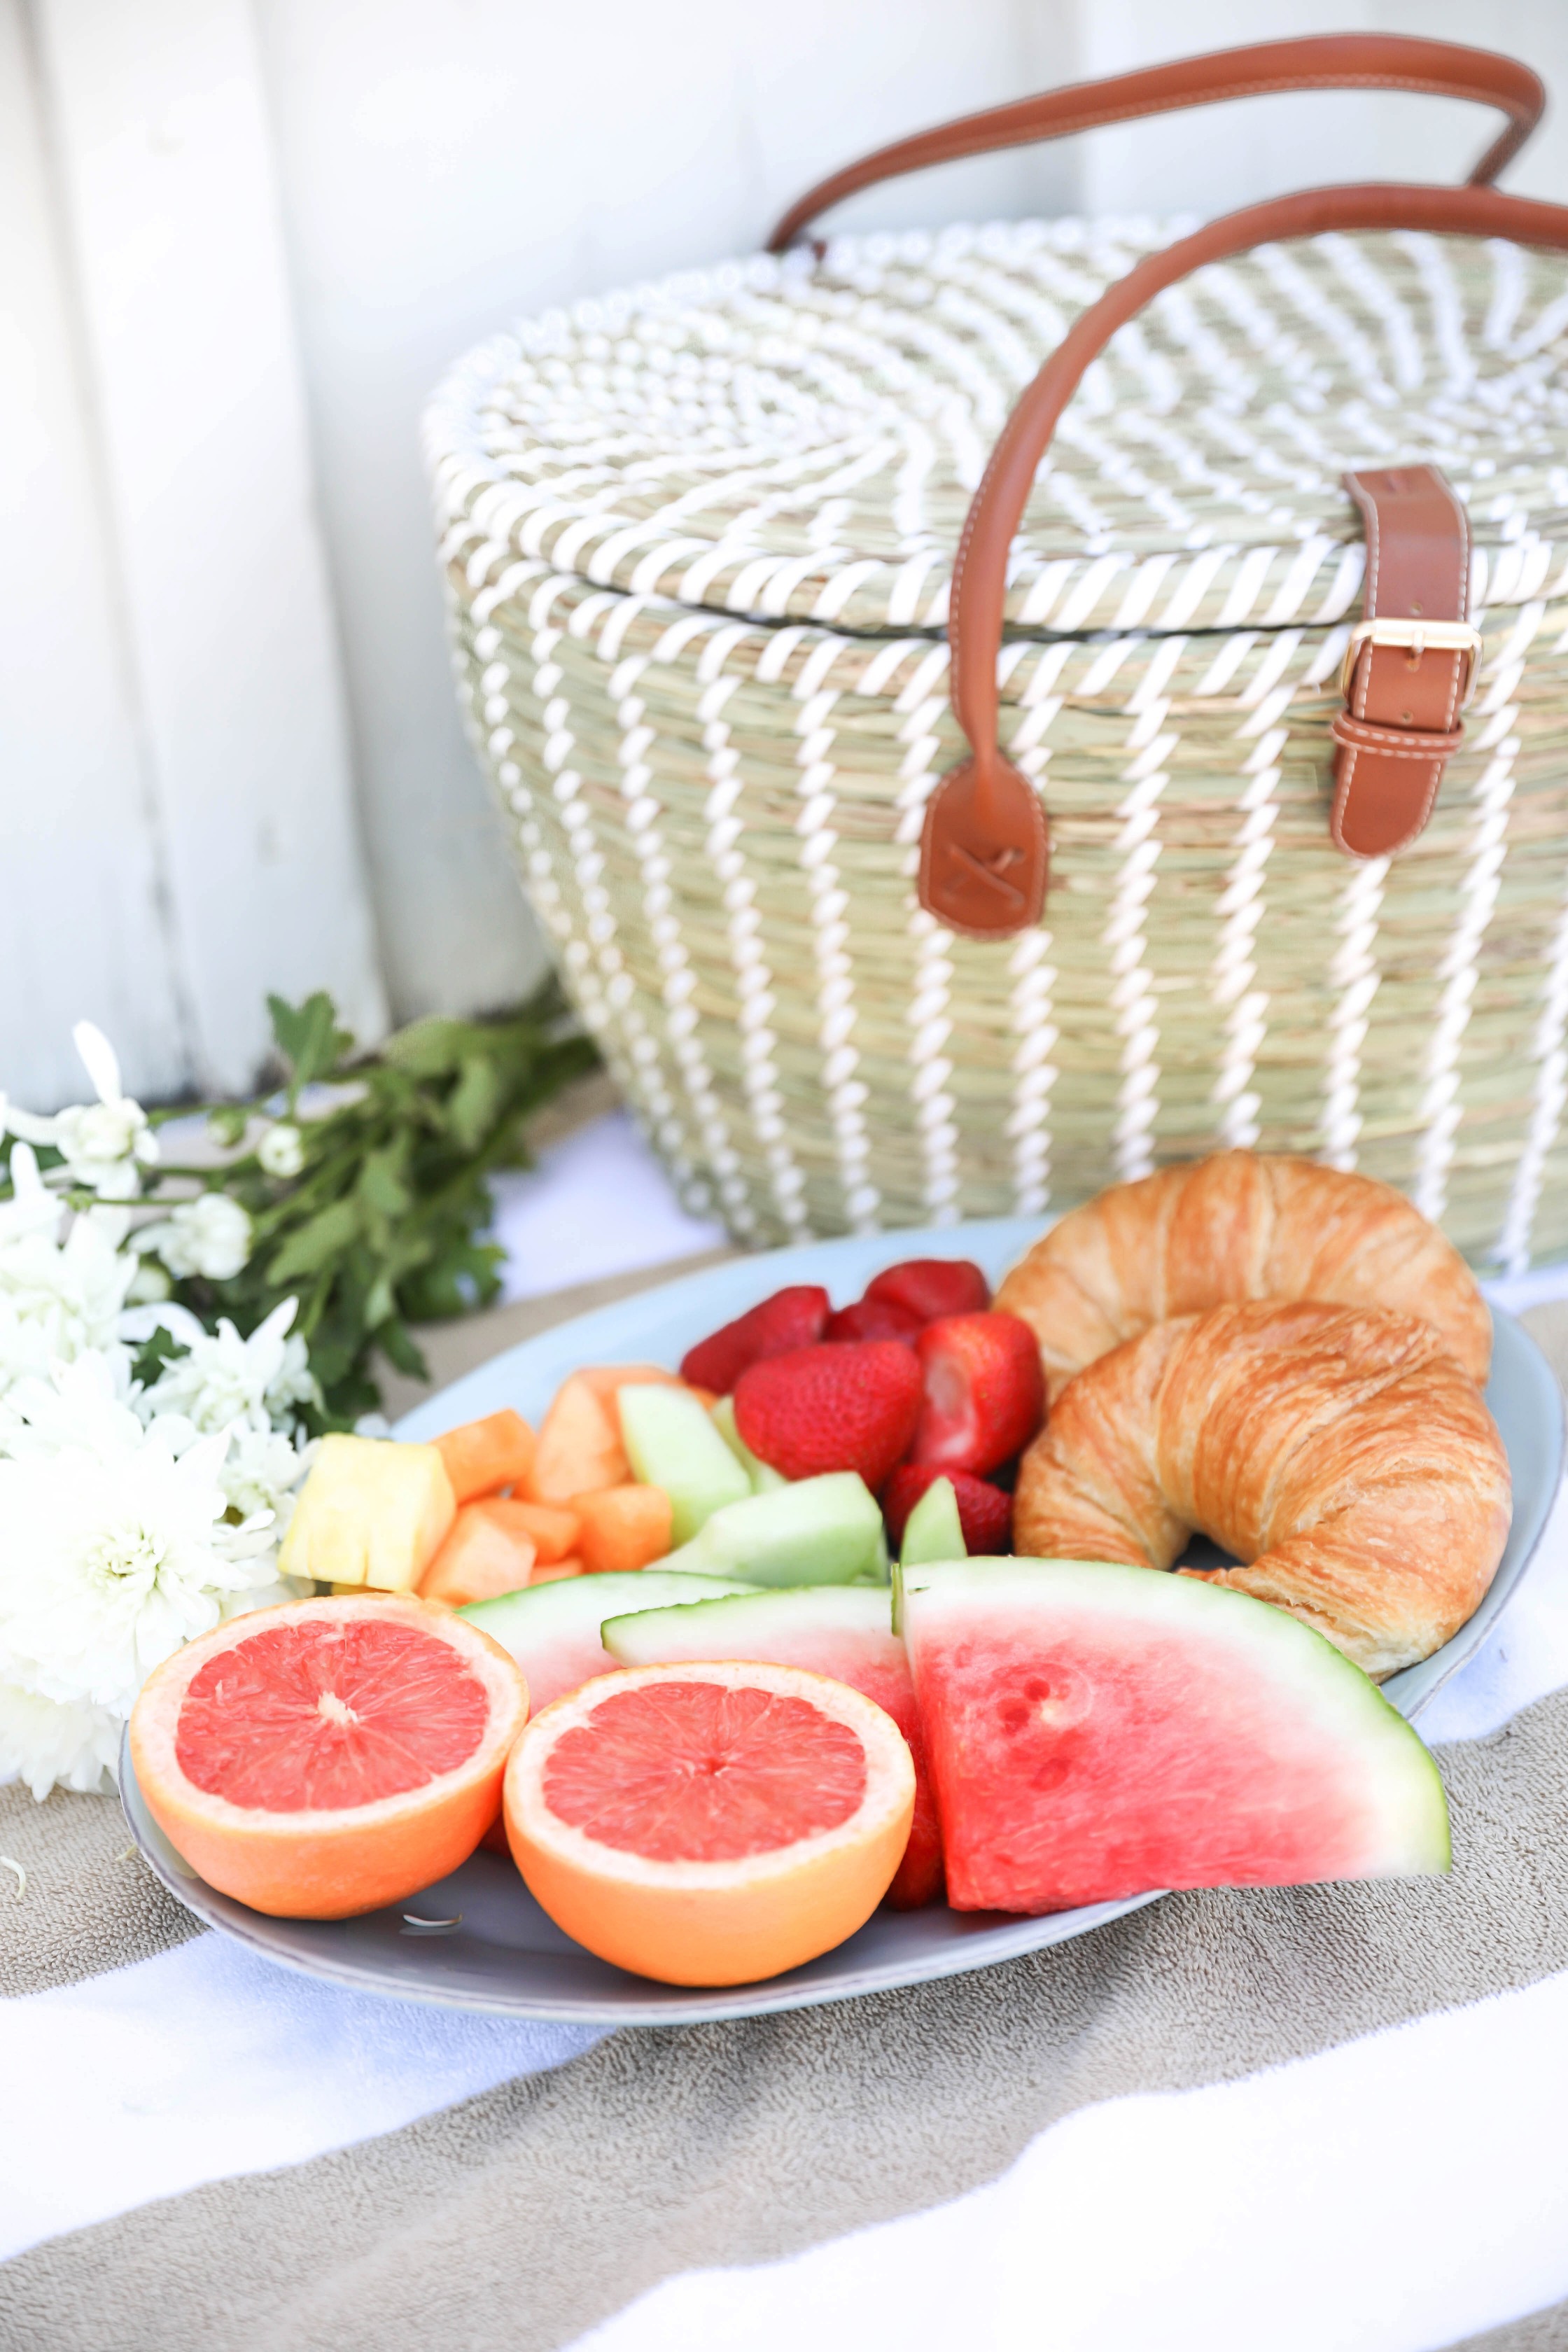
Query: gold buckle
x=1419, y=637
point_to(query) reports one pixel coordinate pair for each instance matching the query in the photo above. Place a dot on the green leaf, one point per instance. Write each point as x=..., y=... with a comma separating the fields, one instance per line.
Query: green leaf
x=154, y=1353
x=430, y=1049
x=398, y=1347
x=381, y=1226
x=380, y=1304
x=474, y=1102
x=380, y=1186
x=316, y=1243
x=309, y=1037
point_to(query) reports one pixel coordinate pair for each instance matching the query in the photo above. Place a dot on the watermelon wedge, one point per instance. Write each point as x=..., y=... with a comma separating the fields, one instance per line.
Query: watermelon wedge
x=553, y=1629
x=1095, y=1731
x=841, y=1630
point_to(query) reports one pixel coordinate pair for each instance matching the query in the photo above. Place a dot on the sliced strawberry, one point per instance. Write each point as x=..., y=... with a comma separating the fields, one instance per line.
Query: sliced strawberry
x=790, y=1318
x=930, y=1287
x=847, y=1407
x=984, y=1512
x=874, y=1318
x=984, y=1391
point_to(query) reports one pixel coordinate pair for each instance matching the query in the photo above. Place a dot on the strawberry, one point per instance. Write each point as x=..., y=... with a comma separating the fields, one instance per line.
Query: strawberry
x=874, y=1318
x=930, y=1287
x=791, y=1319
x=984, y=1512
x=984, y=1391
x=852, y=1406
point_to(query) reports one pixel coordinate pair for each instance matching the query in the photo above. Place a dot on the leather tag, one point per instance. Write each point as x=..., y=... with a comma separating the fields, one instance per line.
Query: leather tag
x=984, y=851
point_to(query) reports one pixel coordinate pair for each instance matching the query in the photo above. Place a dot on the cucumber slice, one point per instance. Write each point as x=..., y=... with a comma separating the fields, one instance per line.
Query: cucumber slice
x=824, y=1531
x=934, y=1529
x=553, y=1629
x=671, y=1443
x=764, y=1478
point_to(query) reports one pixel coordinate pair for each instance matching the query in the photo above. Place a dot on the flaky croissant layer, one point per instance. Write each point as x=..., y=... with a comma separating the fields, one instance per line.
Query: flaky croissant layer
x=1341, y=1453
x=1240, y=1226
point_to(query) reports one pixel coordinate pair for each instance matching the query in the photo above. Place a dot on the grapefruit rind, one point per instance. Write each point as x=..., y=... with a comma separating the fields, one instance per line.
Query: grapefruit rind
x=327, y=1863
x=714, y=1923
x=1394, y=1817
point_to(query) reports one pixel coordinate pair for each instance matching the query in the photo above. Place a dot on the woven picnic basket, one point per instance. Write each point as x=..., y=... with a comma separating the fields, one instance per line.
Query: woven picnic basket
x=701, y=542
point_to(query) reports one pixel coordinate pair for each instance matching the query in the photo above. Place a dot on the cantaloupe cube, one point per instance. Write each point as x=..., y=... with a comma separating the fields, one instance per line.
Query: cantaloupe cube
x=623, y=1527
x=371, y=1512
x=483, y=1557
x=607, y=1380
x=580, y=1447
x=550, y=1527
x=550, y=1571
x=483, y=1456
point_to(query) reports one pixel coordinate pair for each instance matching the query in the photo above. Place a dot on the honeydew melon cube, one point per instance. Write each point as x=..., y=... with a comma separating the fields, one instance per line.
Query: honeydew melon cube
x=934, y=1529
x=764, y=1478
x=371, y=1513
x=825, y=1530
x=671, y=1443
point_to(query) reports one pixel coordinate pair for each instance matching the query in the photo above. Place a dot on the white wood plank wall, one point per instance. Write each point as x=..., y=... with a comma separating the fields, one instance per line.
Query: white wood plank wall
x=238, y=241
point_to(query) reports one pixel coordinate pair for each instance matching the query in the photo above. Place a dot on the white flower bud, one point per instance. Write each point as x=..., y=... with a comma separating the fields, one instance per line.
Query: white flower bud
x=281, y=1150
x=150, y=1286
x=209, y=1235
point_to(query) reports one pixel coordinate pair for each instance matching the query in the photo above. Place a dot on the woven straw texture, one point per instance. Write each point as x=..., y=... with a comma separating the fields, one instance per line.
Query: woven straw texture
x=698, y=540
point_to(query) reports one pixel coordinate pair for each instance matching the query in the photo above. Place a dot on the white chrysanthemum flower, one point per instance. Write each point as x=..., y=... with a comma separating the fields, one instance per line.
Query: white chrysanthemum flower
x=281, y=1150
x=264, y=1472
x=114, y=1551
x=221, y=1381
x=88, y=1404
x=105, y=1144
x=50, y=1745
x=33, y=1209
x=56, y=1301
x=209, y=1235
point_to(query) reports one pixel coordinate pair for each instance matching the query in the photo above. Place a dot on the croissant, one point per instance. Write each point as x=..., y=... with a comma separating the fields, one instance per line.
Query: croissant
x=1340, y=1453
x=1240, y=1225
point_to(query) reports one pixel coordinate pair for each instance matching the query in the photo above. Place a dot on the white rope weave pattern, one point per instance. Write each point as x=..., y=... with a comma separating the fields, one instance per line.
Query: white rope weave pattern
x=697, y=547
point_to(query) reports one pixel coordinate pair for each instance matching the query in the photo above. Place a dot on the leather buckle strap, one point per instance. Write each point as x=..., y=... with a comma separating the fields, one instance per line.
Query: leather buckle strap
x=969, y=820
x=1410, y=665
x=1416, y=637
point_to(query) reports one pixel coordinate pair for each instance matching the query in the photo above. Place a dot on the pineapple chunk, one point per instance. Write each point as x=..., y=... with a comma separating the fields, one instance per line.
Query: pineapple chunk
x=371, y=1512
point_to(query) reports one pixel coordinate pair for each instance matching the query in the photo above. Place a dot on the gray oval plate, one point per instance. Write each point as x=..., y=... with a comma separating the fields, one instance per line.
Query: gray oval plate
x=479, y=1940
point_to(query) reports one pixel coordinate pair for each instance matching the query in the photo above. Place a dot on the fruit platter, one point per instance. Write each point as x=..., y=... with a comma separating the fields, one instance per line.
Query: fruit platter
x=789, y=1633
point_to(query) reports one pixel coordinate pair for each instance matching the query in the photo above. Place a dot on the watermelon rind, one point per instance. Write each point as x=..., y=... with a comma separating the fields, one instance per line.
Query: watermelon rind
x=735, y=1627
x=1298, y=1667
x=540, y=1611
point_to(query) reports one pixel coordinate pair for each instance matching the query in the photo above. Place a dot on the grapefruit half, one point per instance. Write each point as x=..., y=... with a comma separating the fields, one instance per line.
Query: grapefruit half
x=328, y=1757
x=710, y=1822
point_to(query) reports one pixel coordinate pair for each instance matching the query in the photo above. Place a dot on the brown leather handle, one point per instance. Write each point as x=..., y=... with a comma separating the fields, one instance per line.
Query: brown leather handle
x=978, y=579
x=1328, y=61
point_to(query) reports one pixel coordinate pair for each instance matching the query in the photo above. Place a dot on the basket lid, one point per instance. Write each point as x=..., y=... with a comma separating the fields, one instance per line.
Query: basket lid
x=799, y=439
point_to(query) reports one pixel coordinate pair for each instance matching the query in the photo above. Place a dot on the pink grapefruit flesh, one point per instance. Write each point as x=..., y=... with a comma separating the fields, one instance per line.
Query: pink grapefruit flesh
x=328, y=1757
